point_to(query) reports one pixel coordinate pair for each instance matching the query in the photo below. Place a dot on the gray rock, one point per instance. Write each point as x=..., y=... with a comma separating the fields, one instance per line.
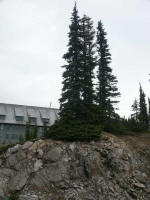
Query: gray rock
x=72, y=146
x=40, y=153
x=1, y=162
x=27, y=145
x=102, y=170
x=14, y=149
x=28, y=197
x=148, y=189
x=37, y=165
x=53, y=155
x=18, y=181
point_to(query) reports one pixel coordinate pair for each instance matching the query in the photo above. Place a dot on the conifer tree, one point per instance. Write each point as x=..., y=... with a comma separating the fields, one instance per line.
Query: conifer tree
x=107, y=83
x=135, y=109
x=77, y=93
x=70, y=102
x=143, y=116
x=88, y=60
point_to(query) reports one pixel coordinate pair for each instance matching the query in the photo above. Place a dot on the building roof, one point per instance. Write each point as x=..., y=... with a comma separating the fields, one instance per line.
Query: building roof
x=12, y=113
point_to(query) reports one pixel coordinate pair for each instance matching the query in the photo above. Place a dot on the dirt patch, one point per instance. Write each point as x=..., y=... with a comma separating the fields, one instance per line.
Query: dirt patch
x=136, y=142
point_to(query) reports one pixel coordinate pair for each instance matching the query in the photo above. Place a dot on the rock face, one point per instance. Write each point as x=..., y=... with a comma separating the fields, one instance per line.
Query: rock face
x=53, y=170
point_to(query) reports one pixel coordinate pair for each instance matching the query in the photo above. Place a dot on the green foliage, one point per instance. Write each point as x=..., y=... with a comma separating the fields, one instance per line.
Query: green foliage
x=70, y=101
x=74, y=131
x=27, y=131
x=21, y=139
x=88, y=60
x=34, y=132
x=138, y=122
x=13, y=195
x=143, y=116
x=45, y=131
x=107, y=83
x=133, y=125
x=30, y=131
x=135, y=109
x=4, y=148
x=76, y=102
x=115, y=126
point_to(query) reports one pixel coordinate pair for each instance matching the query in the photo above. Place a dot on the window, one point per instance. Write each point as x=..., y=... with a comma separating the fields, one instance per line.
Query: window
x=12, y=136
x=1, y=126
x=32, y=120
x=45, y=120
x=19, y=118
x=7, y=136
x=2, y=117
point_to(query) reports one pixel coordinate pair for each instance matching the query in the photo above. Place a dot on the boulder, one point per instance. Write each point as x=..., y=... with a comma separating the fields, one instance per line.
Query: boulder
x=27, y=145
x=53, y=155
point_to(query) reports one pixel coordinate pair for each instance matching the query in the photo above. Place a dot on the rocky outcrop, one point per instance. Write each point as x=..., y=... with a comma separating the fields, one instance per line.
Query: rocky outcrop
x=53, y=170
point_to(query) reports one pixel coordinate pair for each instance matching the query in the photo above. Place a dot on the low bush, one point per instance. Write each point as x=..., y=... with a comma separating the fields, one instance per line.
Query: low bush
x=74, y=131
x=13, y=195
x=4, y=148
x=114, y=126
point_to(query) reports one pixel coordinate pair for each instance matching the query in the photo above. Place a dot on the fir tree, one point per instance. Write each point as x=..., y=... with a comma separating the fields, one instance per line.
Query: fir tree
x=107, y=83
x=88, y=60
x=133, y=121
x=70, y=102
x=77, y=93
x=143, y=116
x=135, y=109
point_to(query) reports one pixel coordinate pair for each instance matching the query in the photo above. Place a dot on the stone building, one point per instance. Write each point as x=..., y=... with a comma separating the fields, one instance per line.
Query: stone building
x=13, y=119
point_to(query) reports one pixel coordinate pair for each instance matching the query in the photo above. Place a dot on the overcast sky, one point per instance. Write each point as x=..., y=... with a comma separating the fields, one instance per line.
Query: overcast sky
x=33, y=38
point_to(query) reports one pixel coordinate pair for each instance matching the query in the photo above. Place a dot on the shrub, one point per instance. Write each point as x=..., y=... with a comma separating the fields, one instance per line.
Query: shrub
x=74, y=131
x=114, y=126
x=4, y=148
x=31, y=132
x=13, y=195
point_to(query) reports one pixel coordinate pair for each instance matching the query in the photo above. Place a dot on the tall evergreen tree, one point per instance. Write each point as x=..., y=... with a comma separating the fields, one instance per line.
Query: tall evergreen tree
x=143, y=116
x=70, y=102
x=135, y=109
x=88, y=60
x=107, y=83
x=77, y=94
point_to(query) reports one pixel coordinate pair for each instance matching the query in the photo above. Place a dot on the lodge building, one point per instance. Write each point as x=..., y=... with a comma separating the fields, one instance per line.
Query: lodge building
x=13, y=120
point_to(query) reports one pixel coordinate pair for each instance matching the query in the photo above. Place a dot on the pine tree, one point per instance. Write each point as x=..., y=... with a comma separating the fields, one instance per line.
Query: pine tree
x=88, y=60
x=77, y=94
x=135, y=109
x=107, y=83
x=143, y=116
x=133, y=121
x=70, y=102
